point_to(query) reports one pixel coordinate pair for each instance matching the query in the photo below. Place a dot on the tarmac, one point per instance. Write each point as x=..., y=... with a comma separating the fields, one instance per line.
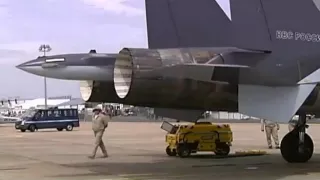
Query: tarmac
x=137, y=151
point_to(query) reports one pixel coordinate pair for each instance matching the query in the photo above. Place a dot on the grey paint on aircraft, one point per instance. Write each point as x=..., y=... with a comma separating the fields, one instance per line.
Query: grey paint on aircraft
x=188, y=24
x=317, y=3
x=83, y=66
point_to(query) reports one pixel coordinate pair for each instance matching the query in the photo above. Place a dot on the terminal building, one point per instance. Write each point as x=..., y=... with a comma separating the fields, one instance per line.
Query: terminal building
x=16, y=106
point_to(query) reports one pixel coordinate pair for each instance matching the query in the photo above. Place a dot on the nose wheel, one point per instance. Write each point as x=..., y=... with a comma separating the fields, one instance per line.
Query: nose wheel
x=297, y=146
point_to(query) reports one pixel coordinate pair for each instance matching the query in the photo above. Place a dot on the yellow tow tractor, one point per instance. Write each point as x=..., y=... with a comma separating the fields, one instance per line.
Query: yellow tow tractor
x=183, y=140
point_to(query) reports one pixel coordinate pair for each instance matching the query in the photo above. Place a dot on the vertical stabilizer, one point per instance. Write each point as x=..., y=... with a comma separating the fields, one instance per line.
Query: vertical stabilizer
x=186, y=23
x=249, y=25
x=293, y=22
x=207, y=23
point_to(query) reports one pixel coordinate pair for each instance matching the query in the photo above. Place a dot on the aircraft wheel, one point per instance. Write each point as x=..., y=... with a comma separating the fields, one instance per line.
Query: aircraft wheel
x=171, y=152
x=183, y=151
x=222, y=149
x=290, y=148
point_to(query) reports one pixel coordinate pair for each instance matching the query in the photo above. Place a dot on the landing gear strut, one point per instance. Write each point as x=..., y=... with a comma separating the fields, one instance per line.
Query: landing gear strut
x=297, y=146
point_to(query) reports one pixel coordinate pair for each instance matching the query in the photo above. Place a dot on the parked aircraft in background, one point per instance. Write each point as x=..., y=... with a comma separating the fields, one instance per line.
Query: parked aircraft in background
x=6, y=119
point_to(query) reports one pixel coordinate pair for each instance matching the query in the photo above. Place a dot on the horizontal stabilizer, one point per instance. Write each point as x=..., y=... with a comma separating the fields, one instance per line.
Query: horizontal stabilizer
x=209, y=72
x=278, y=104
x=182, y=115
x=311, y=78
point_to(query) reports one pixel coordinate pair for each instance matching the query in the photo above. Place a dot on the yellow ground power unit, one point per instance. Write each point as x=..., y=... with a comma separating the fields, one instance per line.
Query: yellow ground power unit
x=183, y=140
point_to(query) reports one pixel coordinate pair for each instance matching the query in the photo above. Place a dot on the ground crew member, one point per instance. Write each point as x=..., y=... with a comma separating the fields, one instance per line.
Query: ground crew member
x=271, y=129
x=99, y=124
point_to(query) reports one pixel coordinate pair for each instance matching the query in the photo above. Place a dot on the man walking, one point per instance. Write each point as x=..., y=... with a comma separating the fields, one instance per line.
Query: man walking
x=271, y=129
x=99, y=124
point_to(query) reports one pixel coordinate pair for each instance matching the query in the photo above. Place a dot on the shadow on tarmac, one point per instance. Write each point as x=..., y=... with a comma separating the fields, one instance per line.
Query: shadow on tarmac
x=203, y=167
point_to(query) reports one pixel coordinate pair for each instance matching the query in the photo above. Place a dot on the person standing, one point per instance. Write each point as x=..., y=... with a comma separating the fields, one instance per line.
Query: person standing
x=99, y=124
x=271, y=129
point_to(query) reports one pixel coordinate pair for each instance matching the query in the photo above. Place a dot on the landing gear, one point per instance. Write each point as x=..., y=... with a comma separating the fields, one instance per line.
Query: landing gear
x=297, y=146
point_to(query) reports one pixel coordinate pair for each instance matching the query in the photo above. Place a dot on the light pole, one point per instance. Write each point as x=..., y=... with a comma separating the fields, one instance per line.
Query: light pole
x=45, y=48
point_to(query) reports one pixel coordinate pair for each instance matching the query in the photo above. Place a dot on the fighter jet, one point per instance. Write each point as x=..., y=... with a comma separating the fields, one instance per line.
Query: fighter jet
x=256, y=58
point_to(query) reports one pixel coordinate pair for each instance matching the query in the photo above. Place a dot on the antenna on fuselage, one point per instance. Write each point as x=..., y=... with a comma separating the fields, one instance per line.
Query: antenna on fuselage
x=92, y=51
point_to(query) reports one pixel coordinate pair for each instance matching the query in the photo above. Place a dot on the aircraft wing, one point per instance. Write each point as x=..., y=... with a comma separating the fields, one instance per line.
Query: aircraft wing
x=279, y=103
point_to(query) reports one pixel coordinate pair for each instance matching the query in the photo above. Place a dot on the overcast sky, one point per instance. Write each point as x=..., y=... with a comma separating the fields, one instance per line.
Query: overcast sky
x=68, y=26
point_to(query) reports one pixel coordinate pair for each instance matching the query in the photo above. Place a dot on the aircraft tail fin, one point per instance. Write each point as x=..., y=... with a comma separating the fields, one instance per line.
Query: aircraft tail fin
x=186, y=23
x=207, y=23
x=283, y=19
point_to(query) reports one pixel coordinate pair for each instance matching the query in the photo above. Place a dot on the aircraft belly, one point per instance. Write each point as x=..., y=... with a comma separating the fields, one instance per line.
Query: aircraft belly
x=99, y=91
x=182, y=93
x=104, y=73
x=166, y=93
x=89, y=73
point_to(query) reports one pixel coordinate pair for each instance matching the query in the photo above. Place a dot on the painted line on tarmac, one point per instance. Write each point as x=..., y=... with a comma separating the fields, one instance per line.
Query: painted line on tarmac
x=11, y=136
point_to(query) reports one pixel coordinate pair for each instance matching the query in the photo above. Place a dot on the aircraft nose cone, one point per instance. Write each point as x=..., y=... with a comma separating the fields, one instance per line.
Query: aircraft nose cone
x=31, y=66
x=22, y=66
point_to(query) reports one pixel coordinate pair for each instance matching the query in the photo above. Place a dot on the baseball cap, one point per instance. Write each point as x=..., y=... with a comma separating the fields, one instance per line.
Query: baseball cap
x=96, y=109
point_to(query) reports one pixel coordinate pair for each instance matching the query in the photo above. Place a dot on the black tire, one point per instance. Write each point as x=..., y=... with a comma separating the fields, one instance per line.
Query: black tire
x=183, y=151
x=22, y=130
x=60, y=129
x=222, y=149
x=290, y=148
x=69, y=127
x=171, y=152
x=32, y=128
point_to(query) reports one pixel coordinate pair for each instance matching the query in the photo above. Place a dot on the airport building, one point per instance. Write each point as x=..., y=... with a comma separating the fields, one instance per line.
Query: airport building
x=17, y=106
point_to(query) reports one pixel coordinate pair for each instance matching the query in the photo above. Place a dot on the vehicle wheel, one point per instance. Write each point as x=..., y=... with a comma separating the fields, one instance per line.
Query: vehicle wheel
x=32, y=128
x=183, y=151
x=290, y=148
x=222, y=149
x=69, y=127
x=59, y=129
x=22, y=130
x=171, y=152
